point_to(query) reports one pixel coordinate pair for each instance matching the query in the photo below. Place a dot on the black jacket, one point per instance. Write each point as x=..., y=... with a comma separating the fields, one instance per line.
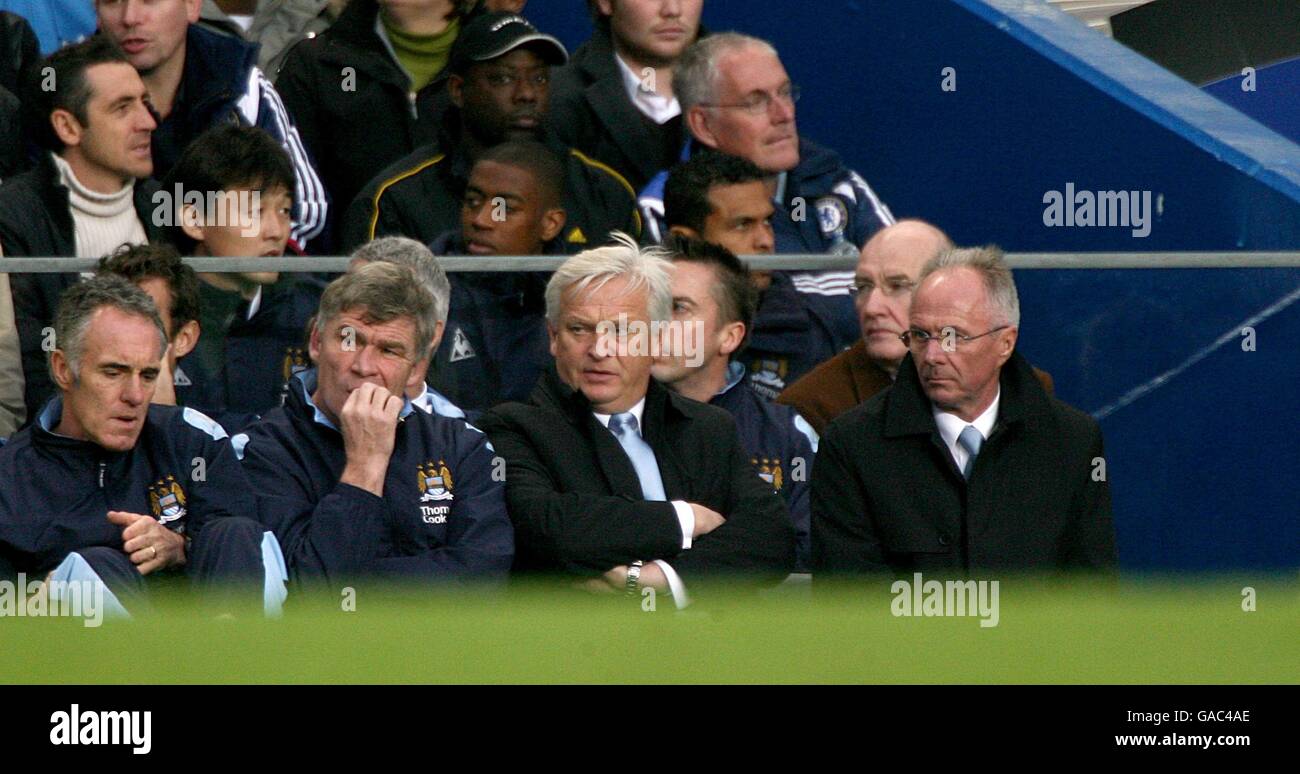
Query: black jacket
x=350, y=100
x=19, y=53
x=19, y=50
x=13, y=154
x=590, y=111
x=36, y=221
x=887, y=495
x=577, y=505
x=420, y=196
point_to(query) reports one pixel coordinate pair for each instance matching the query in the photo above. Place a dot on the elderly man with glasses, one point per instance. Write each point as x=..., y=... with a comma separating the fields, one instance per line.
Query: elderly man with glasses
x=737, y=98
x=967, y=464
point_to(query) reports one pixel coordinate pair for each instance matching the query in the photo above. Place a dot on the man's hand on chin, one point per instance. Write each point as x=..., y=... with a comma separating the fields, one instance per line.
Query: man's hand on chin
x=369, y=424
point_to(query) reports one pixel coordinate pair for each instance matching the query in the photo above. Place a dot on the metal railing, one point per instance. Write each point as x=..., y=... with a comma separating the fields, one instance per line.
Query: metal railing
x=792, y=261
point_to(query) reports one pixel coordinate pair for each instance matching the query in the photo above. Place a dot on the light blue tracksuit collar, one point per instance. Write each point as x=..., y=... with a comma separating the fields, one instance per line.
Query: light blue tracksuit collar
x=735, y=375
x=51, y=414
x=307, y=383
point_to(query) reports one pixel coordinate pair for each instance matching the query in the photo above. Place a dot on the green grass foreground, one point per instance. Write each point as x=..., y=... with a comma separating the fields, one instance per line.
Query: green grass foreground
x=1163, y=631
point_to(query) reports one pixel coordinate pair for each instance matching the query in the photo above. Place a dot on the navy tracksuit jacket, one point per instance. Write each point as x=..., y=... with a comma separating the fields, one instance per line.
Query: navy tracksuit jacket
x=442, y=516
x=56, y=492
x=781, y=445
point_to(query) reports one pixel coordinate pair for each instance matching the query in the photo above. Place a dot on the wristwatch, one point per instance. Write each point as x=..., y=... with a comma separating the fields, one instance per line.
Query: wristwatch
x=633, y=577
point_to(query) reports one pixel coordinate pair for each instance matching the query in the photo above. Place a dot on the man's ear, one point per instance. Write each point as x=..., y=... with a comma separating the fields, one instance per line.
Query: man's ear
x=553, y=221
x=61, y=370
x=313, y=343
x=456, y=90
x=192, y=222
x=192, y=10
x=66, y=127
x=185, y=339
x=730, y=337
x=418, y=373
x=697, y=120
x=606, y=7
x=1007, y=342
x=685, y=231
x=438, y=331
x=550, y=334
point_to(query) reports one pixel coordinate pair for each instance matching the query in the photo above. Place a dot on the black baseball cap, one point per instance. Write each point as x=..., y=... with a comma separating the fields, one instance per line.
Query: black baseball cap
x=496, y=34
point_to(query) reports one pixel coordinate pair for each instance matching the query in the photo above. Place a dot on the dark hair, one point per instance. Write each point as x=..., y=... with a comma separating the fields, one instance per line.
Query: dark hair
x=686, y=192
x=142, y=262
x=228, y=157
x=71, y=90
x=733, y=290
x=538, y=160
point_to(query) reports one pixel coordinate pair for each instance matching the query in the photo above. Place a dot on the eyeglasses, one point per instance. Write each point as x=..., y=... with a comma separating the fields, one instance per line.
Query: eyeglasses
x=949, y=339
x=761, y=104
x=891, y=288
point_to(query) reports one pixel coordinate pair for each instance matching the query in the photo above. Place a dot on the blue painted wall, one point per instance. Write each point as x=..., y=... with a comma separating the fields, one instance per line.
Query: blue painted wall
x=1203, y=466
x=1270, y=99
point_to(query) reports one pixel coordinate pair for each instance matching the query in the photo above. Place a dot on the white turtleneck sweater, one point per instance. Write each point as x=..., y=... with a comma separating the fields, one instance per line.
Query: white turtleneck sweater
x=102, y=222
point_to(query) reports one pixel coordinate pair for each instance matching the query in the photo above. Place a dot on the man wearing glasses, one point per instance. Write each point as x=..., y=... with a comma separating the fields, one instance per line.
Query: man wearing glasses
x=967, y=463
x=883, y=282
x=736, y=97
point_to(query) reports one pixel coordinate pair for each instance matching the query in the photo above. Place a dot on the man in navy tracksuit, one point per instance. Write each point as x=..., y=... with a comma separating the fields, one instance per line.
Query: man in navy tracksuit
x=107, y=489
x=726, y=200
x=737, y=98
x=713, y=295
x=360, y=484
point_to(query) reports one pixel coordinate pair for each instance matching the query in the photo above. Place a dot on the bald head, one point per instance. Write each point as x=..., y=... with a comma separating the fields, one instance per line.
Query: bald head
x=886, y=275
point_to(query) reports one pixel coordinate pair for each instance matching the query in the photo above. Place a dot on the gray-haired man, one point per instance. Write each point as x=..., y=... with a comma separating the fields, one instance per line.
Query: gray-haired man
x=359, y=484
x=737, y=98
x=610, y=476
x=428, y=272
x=966, y=462
x=111, y=491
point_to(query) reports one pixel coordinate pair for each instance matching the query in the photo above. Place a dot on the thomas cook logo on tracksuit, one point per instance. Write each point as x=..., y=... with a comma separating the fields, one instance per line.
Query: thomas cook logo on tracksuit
x=770, y=471
x=435, y=484
x=167, y=500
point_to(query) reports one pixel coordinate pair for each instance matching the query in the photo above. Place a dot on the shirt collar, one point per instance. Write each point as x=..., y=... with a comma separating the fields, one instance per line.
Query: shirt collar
x=735, y=375
x=951, y=425
x=653, y=105
x=433, y=402
x=778, y=198
x=307, y=383
x=50, y=416
x=636, y=411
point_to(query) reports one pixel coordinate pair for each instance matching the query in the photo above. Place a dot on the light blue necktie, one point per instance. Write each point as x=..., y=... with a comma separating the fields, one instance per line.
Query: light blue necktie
x=624, y=428
x=970, y=440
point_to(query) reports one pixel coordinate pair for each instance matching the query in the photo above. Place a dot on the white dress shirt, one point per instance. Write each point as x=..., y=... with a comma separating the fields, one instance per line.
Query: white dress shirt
x=653, y=105
x=685, y=516
x=951, y=425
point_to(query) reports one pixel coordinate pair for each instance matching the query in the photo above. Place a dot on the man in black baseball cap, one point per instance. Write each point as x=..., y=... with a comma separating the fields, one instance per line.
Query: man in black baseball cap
x=498, y=89
x=497, y=34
